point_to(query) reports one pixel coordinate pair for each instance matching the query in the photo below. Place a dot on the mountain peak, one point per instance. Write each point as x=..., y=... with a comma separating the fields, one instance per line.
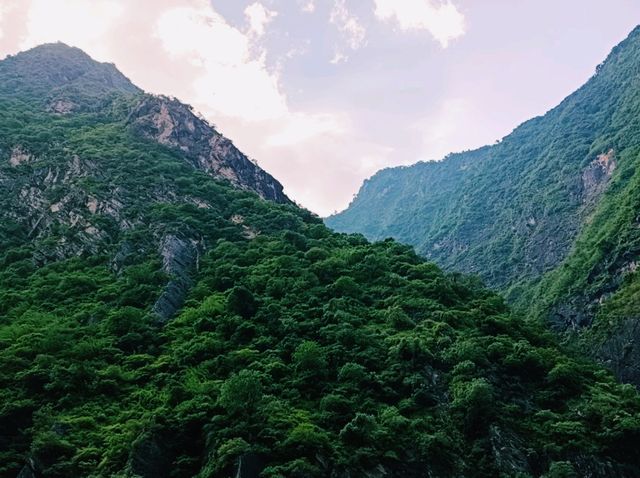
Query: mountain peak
x=56, y=49
x=61, y=74
x=62, y=79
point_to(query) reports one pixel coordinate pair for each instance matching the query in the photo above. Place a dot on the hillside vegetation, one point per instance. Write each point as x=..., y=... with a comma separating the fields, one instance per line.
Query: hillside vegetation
x=549, y=215
x=159, y=318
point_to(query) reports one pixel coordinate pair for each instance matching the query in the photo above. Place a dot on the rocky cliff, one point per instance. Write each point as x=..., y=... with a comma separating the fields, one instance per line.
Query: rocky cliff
x=174, y=124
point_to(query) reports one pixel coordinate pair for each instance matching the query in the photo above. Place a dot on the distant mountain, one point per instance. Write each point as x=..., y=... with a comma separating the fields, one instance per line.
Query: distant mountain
x=549, y=214
x=166, y=311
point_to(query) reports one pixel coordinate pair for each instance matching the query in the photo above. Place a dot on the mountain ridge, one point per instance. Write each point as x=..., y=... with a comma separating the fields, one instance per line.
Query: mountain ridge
x=70, y=81
x=160, y=318
x=54, y=70
x=546, y=215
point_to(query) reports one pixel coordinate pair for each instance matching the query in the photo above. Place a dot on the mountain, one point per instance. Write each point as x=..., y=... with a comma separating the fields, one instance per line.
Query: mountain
x=65, y=80
x=166, y=311
x=548, y=215
x=57, y=74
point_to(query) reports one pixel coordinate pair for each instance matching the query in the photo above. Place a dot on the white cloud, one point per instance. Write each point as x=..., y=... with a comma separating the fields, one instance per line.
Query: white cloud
x=234, y=88
x=76, y=22
x=307, y=6
x=320, y=170
x=258, y=17
x=338, y=57
x=303, y=127
x=352, y=31
x=231, y=80
x=440, y=18
x=300, y=49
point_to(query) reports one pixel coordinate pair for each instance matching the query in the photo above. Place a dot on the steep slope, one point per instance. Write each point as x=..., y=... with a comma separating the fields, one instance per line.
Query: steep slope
x=512, y=211
x=174, y=124
x=64, y=80
x=554, y=202
x=159, y=318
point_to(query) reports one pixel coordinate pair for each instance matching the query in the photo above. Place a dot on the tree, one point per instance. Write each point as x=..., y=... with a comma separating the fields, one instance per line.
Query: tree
x=309, y=357
x=241, y=392
x=242, y=302
x=561, y=469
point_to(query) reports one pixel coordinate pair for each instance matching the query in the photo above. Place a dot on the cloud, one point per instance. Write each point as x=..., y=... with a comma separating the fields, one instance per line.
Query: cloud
x=78, y=23
x=303, y=130
x=307, y=6
x=230, y=80
x=185, y=48
x=353, y=33
x=323, y=162
x=179, y=47
x=300, y=49
x=440, y=18
x=258, y=17
x=303, y=127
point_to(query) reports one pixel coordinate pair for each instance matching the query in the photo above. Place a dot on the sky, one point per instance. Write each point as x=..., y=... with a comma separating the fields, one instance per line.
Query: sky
x=323, y=93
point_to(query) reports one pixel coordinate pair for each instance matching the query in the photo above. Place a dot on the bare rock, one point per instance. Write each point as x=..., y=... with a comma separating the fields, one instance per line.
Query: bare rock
x=149, y=458
x=250, y=465
x=31, y=469
x=179, y=257
x=19, y=156
x=174, y=124
x=508, y=453
x=596, y=176
x=621, y=351
x=61, y=106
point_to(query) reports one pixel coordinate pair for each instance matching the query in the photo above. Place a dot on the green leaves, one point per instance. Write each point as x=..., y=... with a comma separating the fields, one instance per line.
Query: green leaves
x=310, y=357
x=241, y=301
x=242, y=392
x=317, y=354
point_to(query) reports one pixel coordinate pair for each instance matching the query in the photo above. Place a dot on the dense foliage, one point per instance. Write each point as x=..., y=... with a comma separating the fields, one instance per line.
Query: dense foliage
x=511, y=211
x=299, y=352
x=548, y=215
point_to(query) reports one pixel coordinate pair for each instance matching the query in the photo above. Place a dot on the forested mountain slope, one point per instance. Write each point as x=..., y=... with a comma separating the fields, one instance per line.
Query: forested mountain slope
x=512, y=210
x=549, y=215
x=165, y=311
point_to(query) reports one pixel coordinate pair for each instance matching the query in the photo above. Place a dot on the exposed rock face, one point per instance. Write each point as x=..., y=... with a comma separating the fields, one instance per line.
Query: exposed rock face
x=589, y=467
x=70, y=205
x=249, y=465
x=179, y=257
x=174, y=124
x=596, y=176
x=149, y=458
x=19, y=156
x=83, y=215
x=507, y=450
x=247, y=231
x=94, y=220
x=570, y=315
x=31, y=469
x=61, y=106
x=621, y=351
